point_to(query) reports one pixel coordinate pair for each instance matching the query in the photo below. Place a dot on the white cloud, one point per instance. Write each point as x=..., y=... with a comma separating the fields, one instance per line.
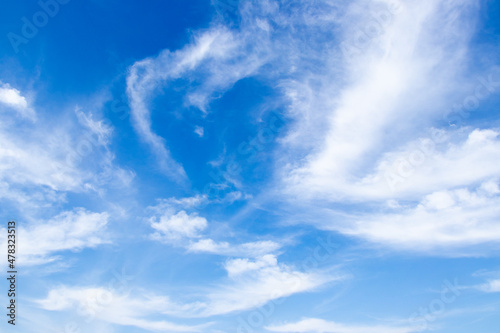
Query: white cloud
x=429, y=164
x=237, y=267
x=179, y=225
x=105, y=305
x=39, y=164
x=174, y=225
x=171, y=221
x=68, y=231
x=492, y=286
x=250, y=249
x=199, y=130
x=312, y=325
x=351, y=109
x=182, y=203
x=145, y=75
x=450, y=219
x=366, y=129
x=102, y=131
x=12, y=98
x=253, y=283
x=440, y=160
x=33, y=159
x=371, y=115
x=250, y=283
x=214, y=61
x=362, y=107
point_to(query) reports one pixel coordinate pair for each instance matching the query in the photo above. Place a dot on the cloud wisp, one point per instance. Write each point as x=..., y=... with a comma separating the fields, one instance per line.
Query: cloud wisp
x=312, y=325
x=72, y=230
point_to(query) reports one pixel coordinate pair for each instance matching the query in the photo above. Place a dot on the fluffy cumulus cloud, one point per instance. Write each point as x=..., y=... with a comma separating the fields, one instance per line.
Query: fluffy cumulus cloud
x=239, y=266
x=11, y=98
x=491, y=286
x=312, y=325
x=179, y=225
x=174, y=225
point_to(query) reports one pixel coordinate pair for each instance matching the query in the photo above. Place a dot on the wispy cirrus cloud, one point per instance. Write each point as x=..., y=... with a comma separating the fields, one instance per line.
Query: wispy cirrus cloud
x=147, y=75
x=42, y=162
x=219, y=56
x=365, y=152
x=370, y=114
x=312, y=325
x=352, y=125
x=105, y=305
x=443, y=219
x=253, y=283
x=74, y=230
x=353, y=136
x=372, y=133
x=249, y=249
x=249, y=284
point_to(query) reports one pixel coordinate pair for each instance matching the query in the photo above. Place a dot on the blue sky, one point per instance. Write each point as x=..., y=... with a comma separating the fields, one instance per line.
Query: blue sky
x=252, y=166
